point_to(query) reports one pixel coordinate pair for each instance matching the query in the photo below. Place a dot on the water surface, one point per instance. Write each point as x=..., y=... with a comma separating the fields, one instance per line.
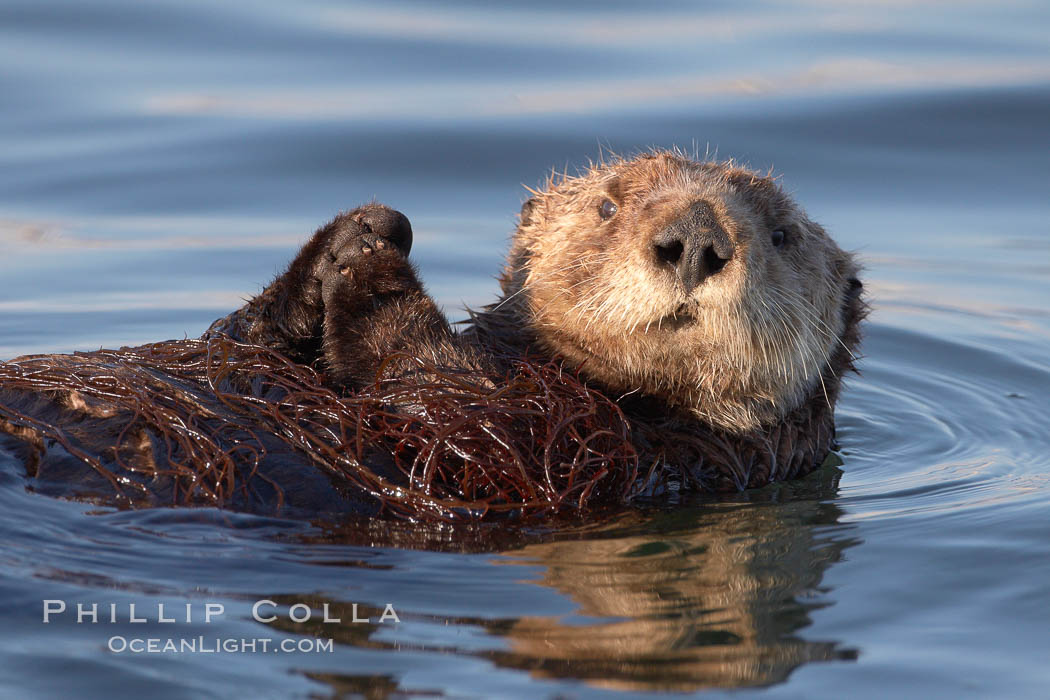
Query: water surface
x=160, y=161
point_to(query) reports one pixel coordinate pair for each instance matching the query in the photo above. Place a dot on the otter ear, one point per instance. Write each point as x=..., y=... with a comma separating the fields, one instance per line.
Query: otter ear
x=525, y=218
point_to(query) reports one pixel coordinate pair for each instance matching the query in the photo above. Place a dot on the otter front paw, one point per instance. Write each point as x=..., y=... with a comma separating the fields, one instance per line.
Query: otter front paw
x=367, y=254
x=354, y=252
x=375, y=225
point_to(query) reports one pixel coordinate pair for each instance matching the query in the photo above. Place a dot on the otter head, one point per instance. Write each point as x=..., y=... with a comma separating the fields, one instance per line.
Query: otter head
x=700, y=284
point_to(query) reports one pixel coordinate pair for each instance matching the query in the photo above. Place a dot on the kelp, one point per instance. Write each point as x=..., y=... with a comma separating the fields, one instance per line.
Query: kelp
x=222, y=423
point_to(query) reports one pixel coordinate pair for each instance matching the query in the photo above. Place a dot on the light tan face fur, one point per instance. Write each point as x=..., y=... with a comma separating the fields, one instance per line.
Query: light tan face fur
x=744, y=347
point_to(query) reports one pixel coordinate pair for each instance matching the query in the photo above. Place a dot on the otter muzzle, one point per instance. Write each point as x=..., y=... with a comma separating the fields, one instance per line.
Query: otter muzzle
x=695, y=245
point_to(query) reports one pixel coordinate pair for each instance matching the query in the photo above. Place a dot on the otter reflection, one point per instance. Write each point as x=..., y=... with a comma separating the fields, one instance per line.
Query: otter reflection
x=715, y=602
x=711, y=596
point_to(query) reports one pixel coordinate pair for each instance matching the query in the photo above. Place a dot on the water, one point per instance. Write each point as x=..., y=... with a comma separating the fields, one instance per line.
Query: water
x=159, y=161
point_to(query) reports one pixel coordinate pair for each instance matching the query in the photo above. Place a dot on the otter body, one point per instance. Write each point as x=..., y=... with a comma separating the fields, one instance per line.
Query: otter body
x=695, y=299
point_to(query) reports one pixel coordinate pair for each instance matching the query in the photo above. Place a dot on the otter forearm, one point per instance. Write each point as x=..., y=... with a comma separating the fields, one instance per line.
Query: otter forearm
x=288, y=315
x=374, y=307
x=362, y=330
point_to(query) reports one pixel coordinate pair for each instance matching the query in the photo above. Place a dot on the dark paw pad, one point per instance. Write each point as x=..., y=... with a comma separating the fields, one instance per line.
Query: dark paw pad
x=358, y=252
x=367, y=251
x=385, y=223
x=356, y=237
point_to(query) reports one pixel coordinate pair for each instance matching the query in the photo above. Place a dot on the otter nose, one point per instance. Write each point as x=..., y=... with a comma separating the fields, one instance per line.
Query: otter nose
x=695, y=245
x=388, y=223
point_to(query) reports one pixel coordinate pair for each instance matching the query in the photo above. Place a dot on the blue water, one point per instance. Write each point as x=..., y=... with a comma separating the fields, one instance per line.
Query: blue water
x=160, y=161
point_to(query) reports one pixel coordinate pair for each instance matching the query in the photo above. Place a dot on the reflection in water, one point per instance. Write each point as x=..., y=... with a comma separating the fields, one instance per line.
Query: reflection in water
x=712, y=596
x=719, y=604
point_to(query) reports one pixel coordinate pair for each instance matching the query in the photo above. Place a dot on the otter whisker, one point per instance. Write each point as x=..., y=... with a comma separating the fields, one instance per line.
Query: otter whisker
x=504, y=301
x=819, y=371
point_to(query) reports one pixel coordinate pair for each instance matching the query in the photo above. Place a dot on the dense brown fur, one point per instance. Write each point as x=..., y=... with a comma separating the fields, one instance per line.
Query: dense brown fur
x=740, y=350
x=724, y=346
x=729, y=385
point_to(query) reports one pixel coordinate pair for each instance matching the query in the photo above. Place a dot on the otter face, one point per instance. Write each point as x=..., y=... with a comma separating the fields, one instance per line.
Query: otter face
x=699, y=283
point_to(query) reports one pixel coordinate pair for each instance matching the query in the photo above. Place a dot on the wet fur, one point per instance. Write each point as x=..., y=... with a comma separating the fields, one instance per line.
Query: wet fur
x=742, y=350
x=751, y=363
x=729, y=387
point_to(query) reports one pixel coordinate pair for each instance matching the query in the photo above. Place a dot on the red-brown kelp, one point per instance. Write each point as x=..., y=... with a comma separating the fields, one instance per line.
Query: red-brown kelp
x=207, y=417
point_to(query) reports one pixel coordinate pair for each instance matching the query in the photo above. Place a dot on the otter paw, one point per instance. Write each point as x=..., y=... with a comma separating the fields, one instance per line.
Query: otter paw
x=367, y=258
x=377, y=226
x=387, y=223
x=355, y=241
x=359, y=250
x=359, y=258
x=366, y=269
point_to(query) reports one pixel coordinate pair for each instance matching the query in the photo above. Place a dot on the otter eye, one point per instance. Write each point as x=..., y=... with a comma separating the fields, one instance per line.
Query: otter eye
x=608, y=209
x=777, y=238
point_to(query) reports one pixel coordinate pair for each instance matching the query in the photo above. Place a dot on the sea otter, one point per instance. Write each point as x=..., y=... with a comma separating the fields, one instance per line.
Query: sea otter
x=692, y=305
